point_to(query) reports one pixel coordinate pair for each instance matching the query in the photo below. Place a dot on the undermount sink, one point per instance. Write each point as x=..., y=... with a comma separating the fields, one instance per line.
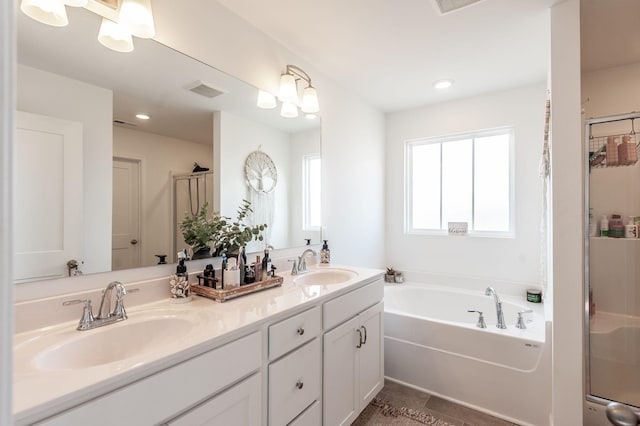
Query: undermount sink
x=326, y=277
x=85, y=349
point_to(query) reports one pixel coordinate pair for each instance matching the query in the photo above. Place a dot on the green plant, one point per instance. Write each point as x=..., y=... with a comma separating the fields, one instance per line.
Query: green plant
x=221, y=233
x=391, y=271
x=198, y=231
x=235, y=234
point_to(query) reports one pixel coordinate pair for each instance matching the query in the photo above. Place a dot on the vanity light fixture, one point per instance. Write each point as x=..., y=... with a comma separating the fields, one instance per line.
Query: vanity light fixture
x=134, y=18
x=115, y=36
x=266, y=100
x=137, y=16
x=288, y=94
x=50, y=12
x=445, y=83
x=289, y=110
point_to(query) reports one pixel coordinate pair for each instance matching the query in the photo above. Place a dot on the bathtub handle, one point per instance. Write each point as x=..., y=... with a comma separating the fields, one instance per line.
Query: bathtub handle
x=481, y=323
x=359, y=345
x=364, y=341
x=520, y=322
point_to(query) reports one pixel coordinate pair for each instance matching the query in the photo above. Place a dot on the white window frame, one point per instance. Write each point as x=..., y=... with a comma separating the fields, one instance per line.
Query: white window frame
x=408, y=173
x=306, y=192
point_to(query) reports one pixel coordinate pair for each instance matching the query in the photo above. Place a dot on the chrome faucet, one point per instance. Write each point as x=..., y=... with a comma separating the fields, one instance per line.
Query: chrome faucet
x=300, y=264
x=491, y=292
x=105, y=314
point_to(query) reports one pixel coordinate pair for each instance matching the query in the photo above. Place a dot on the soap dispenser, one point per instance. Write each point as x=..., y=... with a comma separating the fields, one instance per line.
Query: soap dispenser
x=179, y=282
x=325, y=254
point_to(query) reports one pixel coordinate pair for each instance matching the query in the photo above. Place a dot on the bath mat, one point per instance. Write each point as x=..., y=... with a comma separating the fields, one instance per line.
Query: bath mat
x=381, y=413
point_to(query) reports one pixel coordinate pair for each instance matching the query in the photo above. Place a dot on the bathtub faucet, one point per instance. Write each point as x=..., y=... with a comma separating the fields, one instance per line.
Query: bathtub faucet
x=491, y=292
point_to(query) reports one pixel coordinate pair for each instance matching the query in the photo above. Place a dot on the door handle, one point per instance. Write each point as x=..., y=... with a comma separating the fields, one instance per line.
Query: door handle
x=134, y=242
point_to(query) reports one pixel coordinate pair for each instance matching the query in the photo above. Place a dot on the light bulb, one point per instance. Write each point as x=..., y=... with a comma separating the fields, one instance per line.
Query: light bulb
x=289, y=110
x=115, y=36
x=288, y=89
x=137, y=16
x=266, y=100
x=310, y=100
x=443, y=84
x=50, y=12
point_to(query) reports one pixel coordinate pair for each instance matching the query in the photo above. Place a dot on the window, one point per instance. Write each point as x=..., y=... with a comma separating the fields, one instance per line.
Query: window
x=311, y=190
x=460, y=178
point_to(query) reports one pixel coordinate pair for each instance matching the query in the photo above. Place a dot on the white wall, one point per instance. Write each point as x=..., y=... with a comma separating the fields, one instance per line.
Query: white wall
x=567, y=187
x=352, y=131
x=239, y=137
x=510, y=259
x=50, y=94
x=159, y=156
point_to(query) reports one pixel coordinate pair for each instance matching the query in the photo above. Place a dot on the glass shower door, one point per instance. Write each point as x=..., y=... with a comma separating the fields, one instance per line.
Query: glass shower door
x=613, y=270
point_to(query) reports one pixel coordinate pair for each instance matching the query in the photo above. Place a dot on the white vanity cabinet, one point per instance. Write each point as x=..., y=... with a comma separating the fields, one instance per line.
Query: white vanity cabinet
x=353, y=354
x=161, y=396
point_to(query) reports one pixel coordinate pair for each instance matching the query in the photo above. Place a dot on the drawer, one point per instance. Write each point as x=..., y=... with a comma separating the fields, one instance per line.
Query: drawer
x=312, y=416
x=342, y=308
x=295, y=382
x=293, y=332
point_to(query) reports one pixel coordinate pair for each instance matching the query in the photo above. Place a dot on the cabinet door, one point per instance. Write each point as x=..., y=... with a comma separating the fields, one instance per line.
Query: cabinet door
x=340, y=395
x=371, y=354
x=239, y=406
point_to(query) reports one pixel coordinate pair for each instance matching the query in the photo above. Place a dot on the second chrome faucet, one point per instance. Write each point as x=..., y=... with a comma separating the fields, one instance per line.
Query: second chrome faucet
x=491, y=292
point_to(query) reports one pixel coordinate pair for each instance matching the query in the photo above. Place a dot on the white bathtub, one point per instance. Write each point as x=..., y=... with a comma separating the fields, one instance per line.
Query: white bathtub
x=432, y=343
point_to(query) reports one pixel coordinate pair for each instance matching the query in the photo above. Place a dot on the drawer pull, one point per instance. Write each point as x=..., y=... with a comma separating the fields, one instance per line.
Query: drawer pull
x=364, y=341
x=299, y=384
x=359, y=345
x=300, y=331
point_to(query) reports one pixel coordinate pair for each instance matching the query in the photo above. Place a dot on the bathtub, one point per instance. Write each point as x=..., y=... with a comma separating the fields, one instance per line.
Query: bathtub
x=432, y=343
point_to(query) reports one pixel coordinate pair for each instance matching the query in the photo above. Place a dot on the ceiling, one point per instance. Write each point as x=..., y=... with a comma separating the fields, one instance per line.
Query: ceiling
x=389, y=52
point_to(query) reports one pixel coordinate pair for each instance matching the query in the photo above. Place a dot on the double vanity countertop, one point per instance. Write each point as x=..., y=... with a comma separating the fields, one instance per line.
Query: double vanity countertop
x=57, y=367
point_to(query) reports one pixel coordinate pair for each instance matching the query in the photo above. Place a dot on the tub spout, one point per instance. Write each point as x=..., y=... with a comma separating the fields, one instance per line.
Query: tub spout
x=491, y=292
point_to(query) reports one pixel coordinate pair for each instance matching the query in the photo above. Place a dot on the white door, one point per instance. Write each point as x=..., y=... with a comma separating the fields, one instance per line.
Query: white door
x=125, y=249
x=48, y=196
x=371, y=354
x=239, y=406
x=340, y=396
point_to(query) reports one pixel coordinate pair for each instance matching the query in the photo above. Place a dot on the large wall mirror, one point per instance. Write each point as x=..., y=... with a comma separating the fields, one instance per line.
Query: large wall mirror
x=98, y=185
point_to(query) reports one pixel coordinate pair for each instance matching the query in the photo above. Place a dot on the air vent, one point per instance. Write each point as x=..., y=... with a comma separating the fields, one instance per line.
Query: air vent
x=204, y=89
x=446, y=6
x=125, y=123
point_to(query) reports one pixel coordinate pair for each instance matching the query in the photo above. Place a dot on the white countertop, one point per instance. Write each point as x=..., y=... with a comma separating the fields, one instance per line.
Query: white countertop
x=38, y=392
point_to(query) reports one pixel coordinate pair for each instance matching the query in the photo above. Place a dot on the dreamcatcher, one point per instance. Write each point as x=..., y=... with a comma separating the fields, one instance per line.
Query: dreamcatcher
x=261, y=177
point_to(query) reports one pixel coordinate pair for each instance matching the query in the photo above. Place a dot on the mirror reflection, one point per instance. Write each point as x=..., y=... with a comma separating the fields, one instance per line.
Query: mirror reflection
x=98, y=185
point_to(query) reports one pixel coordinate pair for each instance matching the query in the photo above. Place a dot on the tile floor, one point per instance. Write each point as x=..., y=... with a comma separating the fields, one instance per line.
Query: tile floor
x=455, y=414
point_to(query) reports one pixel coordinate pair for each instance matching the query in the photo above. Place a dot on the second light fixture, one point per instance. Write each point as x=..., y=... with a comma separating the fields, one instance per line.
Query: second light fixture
x=288, y=94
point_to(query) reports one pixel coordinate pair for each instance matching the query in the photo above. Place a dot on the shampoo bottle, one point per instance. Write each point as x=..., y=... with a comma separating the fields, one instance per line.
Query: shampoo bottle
x=325, y=254
x=266, y=265
x=242, y=261
x=630, y=230
x=604, y=226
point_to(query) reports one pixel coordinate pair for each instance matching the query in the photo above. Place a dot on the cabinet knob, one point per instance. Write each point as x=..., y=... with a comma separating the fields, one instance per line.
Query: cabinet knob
x=299, y=384
x=300, y=331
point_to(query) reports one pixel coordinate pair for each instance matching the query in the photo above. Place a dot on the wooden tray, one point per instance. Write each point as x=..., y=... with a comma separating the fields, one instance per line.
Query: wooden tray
x=224, y=295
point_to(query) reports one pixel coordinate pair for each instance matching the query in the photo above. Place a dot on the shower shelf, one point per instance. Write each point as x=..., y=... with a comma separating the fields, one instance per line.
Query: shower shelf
x=598, y=157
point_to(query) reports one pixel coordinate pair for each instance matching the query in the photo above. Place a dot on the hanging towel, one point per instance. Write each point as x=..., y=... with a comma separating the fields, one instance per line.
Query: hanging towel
x=545, y=170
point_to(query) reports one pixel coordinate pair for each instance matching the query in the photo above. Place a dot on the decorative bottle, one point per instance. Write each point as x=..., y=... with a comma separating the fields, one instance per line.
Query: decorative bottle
x=325, y=254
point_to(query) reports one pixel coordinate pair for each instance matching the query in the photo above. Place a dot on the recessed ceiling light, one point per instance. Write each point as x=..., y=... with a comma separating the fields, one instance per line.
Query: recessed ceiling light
x=443, y=84
x=143, y=116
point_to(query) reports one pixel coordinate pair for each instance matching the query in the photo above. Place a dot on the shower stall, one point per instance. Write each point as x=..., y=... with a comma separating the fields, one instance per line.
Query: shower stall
x=190, y=193
x=612, y=261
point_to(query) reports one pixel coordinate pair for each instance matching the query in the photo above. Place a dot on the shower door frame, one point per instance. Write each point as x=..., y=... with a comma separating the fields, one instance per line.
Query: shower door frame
x=587, y=331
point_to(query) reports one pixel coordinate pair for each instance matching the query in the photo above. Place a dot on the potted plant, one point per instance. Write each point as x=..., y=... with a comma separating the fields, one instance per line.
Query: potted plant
x=393, y=276
x=205, y=232
x=233, y=234
x=198, y=232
